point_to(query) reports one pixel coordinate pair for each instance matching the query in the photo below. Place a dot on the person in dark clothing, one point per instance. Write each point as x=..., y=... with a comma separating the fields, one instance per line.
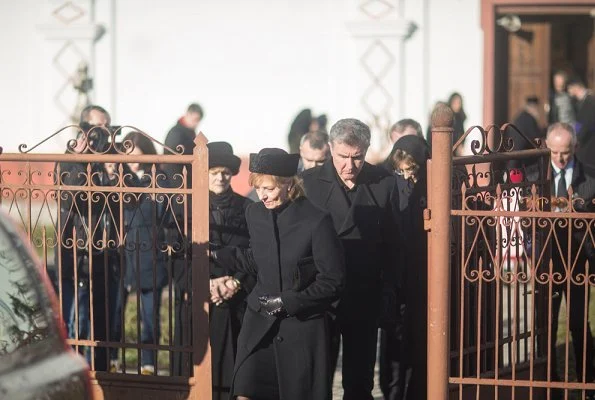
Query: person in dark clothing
x=403, y=127
x=181, y=138
x=283, y=348
x=403, y=347
x=145, y=265
x=585, y=122
x=227, y=227
x=394, y=372
x=299, y=127
x=561, y=108
x=526, y=122
x=82, y=225
x=359, y=197
x=568, y=171
x=303, y=123
x=455, y=102
x=314, y=150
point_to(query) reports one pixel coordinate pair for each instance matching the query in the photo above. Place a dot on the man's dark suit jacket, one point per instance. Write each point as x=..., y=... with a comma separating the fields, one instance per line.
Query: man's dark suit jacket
x=583, y=187
x=585, y=118
x=367, y=229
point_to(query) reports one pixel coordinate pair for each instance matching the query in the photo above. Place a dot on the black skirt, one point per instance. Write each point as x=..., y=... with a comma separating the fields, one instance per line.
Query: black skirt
x=257, y=377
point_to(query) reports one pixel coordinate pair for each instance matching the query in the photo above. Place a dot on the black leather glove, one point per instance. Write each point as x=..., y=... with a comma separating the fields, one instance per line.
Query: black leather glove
x=273, y=305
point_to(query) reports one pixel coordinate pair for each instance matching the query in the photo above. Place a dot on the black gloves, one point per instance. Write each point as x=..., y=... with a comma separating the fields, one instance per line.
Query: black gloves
x=273, y=305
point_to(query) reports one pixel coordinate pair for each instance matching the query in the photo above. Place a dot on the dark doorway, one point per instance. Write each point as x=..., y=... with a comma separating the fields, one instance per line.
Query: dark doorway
x=525, y=59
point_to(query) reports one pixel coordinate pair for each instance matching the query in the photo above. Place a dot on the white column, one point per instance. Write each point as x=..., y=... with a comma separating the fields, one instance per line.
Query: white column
x=68, y=33
x=378, y=31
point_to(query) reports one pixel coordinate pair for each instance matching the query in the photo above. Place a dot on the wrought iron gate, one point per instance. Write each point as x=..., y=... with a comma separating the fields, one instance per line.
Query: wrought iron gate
x=493, y=284
x=74, y=214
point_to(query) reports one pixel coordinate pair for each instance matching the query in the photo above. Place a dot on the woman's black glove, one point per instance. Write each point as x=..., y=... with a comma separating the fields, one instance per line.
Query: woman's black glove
x=273, y=305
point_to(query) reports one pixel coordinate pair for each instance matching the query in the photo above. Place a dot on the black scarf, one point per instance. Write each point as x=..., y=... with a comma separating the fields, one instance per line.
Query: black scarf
x=220, y=201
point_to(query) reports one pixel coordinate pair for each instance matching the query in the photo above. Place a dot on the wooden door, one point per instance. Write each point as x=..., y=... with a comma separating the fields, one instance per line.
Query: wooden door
x=528, y=67
x=591, y=62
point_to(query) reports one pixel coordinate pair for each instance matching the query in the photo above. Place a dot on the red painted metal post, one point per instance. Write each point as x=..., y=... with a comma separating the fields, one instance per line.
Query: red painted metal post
x=439, y=264
x=201, y=355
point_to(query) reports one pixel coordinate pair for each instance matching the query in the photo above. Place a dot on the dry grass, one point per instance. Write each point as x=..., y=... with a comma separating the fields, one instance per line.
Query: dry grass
x=132, y=336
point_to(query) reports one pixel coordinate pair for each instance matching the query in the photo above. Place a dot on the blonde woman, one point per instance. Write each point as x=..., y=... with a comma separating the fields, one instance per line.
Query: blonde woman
x=283, y=348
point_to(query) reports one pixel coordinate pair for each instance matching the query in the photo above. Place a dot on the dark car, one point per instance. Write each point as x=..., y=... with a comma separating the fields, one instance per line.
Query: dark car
x=35, y=361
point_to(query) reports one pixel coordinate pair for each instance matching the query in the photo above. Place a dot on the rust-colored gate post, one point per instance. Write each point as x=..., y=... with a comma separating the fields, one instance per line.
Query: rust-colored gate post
x=201, y=354
x=439, y=264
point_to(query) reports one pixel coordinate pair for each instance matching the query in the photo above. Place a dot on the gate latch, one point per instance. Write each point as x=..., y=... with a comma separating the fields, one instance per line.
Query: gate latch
x=427, y=219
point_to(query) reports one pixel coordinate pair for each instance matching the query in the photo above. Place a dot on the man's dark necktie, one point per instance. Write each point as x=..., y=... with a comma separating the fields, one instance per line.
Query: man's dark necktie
x=562, y=191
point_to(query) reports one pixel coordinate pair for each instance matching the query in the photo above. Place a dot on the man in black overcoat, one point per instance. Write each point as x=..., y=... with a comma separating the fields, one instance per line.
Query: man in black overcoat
x=358, y=196
x=526, y=122
x=568, y=171
x=84, y=217
x=585, y=122
x=182, y=134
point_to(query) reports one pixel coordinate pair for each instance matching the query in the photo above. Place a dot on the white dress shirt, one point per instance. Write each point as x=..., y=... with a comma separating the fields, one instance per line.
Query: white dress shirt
x=568, y=175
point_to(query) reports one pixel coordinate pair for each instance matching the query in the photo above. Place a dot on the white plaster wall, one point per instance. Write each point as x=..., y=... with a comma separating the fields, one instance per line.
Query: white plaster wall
x=18, y=78
x=456, y=55
x=452, y=62
x=251, y=64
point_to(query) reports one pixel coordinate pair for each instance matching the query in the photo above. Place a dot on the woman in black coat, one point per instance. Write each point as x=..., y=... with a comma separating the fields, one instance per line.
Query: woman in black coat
x=283, y=348
x=455, y=102
x=145, y=264
x=227, y=227
x=408, y=159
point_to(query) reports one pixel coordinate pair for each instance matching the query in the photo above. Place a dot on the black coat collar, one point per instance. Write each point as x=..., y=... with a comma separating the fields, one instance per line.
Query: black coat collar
x=335, y=201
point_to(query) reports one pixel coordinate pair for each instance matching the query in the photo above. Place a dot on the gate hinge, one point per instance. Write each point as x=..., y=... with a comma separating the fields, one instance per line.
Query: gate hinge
x=427, y=219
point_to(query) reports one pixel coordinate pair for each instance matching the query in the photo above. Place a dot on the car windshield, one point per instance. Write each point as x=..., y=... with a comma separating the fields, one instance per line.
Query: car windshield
x=23, y=308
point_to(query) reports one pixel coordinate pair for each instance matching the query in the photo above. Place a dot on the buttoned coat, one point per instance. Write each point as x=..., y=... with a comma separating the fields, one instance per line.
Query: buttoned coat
x=583, y=194
x=302, y=234
x=368, y=230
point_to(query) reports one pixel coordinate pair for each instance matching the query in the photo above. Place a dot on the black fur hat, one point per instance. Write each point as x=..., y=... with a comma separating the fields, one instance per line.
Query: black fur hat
x=273, y=161
x=415, y=146
x=221, y=155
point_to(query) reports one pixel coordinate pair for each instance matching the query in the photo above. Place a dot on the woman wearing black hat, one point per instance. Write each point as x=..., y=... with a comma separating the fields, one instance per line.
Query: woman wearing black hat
x=227, y=227
x=283, y=348
x=408, y=160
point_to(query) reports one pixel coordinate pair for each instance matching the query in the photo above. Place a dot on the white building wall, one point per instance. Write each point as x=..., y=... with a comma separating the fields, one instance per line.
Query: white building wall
x=18, y=83
x=456, y=54
x=252, y=64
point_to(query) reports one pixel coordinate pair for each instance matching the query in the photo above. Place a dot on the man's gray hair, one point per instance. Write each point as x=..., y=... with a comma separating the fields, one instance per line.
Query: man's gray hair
x=351, y=132
x=401, y=125
x=563, y=126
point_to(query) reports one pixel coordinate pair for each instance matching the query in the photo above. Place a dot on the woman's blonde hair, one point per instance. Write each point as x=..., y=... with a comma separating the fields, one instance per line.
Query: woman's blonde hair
x=296, y=189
